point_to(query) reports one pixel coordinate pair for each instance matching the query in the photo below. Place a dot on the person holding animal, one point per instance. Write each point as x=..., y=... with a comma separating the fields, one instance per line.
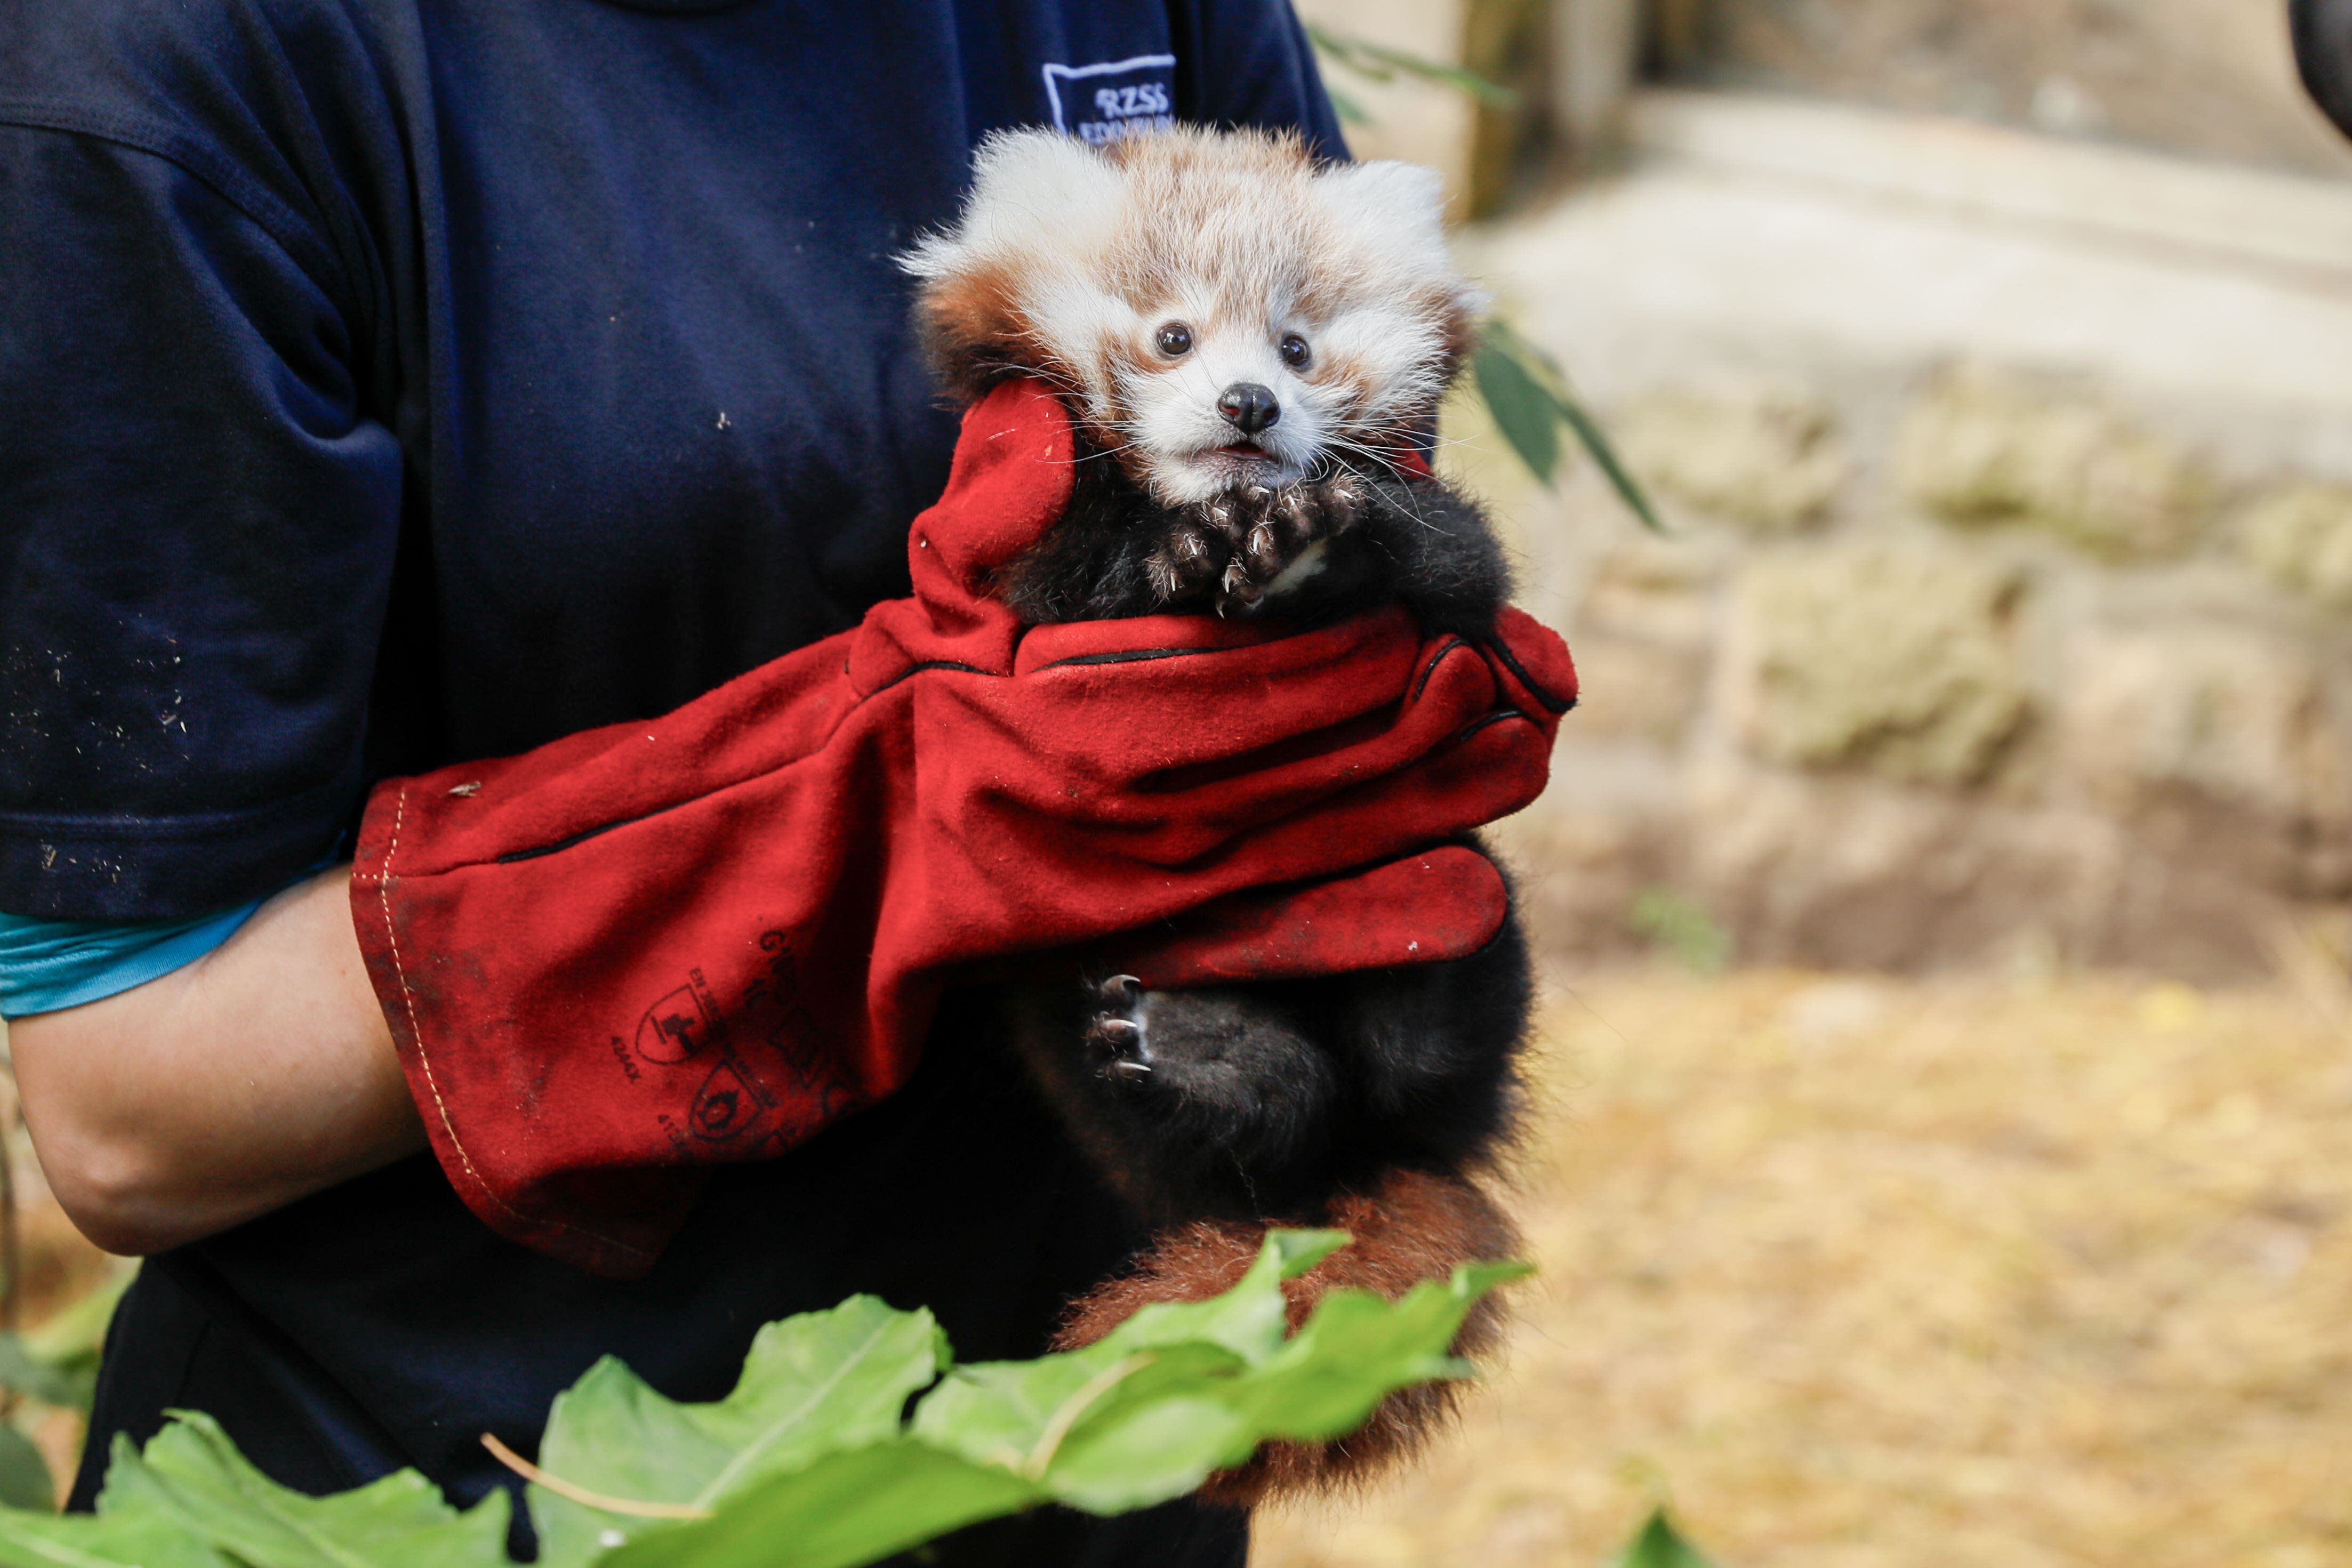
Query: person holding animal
x=426, y=434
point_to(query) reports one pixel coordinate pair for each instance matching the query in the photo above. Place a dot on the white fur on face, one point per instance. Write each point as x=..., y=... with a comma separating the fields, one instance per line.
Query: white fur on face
x=1240, y=239
x=1170, y=412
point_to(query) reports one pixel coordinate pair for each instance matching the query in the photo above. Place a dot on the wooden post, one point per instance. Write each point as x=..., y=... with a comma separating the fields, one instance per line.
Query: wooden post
x=1595, y=49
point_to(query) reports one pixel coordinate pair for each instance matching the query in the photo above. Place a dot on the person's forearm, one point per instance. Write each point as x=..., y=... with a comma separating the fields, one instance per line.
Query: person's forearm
x=252, y=1077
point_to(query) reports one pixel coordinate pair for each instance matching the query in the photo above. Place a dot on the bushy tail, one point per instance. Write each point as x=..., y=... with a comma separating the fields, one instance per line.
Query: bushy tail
x=1409, y=1227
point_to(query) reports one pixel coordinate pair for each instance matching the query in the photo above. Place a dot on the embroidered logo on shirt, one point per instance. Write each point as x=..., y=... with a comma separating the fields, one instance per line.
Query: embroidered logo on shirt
x=1113, y=100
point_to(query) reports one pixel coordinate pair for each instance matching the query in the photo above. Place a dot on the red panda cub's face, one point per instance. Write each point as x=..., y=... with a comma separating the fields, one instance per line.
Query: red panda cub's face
x=1215, y=308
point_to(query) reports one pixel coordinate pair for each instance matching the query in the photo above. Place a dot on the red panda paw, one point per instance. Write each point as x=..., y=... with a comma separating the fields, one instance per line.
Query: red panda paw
x=1273, y=531
x=1191, y=557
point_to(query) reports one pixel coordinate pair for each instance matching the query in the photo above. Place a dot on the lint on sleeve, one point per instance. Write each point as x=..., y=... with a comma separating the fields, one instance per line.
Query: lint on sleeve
x=196, y=531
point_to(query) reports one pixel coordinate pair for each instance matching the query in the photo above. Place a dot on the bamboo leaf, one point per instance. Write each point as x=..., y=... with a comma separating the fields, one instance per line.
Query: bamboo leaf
x=1596, y=442
x=1345, y=106
x=67, y=1387
x=1657, y=1544
x=72, y=1338
x=1522, y=408
x=25, y=1478
x=1522, y=372
x=1380, y=63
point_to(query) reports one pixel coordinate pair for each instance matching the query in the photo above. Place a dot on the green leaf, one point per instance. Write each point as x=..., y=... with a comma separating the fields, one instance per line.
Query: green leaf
x=1380, y=63
x=1345, y=106
x=1142, y=1451
x=67, y=1387
x=1142, y=1416
x=192, y=1474
x=73, y=1335
x=1148, y=1414
x=1657, y=1545
x=1528, y=393
x=809, y=1463
x=56, y=1364
x=25, y=1478
x=1101, y=1430
x=82, y=1540
x=813, y=1383
x=1596, y=442
x=1682, y=928
x=1252, y=1319
x=852, y=1507
x=1358, y=1347
x=1523, y=411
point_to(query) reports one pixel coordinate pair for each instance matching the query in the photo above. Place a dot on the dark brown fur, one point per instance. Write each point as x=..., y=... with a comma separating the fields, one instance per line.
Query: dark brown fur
x=1412, y=1226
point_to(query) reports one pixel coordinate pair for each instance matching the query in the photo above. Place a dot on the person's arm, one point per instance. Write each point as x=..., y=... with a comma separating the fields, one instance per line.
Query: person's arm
x=199, y=510
x=256, y=1075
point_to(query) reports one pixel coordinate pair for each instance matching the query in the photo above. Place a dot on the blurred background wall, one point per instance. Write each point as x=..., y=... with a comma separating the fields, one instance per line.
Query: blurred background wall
x=2210, y=78
x=1977, y=746
x=1992, y=361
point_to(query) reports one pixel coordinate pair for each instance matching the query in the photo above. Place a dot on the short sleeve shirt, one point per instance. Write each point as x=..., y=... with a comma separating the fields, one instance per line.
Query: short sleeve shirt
x=390, y=382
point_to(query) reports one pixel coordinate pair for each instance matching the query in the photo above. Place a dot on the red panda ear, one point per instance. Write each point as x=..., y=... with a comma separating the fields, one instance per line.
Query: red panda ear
x=969, y=326
x=1459, y=312
x=1397, y=211
x=1036, y=197
x=1395, y=215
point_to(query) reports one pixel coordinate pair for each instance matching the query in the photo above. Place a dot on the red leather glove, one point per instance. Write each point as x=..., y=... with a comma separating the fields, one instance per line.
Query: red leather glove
x=700, y=938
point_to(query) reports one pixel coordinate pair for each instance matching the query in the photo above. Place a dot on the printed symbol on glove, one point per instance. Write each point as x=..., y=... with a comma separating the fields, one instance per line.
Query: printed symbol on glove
x=730, y=1103
x=679, y=1025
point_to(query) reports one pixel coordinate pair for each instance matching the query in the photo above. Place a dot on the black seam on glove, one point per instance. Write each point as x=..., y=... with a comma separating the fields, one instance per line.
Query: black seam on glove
x=1128, y=656
x=1552, y=704
x=1435, y=660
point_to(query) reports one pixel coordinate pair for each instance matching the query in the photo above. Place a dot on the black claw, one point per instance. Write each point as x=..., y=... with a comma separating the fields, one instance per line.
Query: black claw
x=1121, y=1035
x=1123, y=1068
x=1122, y=990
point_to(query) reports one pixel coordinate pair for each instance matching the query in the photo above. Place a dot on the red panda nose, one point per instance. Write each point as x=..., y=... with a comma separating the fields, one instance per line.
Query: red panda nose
x=1248, y=406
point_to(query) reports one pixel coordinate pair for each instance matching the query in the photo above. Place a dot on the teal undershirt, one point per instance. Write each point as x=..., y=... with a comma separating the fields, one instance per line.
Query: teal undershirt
x=50, y=965
x=46, y=965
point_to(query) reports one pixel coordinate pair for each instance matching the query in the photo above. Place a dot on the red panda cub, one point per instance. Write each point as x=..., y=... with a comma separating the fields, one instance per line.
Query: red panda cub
x=1249, y=343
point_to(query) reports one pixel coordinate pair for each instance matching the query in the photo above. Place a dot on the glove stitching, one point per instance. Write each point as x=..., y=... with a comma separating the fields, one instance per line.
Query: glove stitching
x=416, y=1036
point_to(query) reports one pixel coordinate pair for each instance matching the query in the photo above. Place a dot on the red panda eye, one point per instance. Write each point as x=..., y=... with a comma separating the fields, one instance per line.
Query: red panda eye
x=1294, y=351
x=1175, y=340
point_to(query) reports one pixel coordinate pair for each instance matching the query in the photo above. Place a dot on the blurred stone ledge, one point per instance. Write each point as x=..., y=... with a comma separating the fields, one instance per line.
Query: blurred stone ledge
x=2007, y=615
x=2300, y=226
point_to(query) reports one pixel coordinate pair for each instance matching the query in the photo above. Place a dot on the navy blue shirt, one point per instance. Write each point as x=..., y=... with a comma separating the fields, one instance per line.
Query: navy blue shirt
x=393, y=382
x=389, y=382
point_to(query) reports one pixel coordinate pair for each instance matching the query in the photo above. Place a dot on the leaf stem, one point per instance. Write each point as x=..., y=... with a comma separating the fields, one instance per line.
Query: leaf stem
x=580, y=1494
x=1050, y=1440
